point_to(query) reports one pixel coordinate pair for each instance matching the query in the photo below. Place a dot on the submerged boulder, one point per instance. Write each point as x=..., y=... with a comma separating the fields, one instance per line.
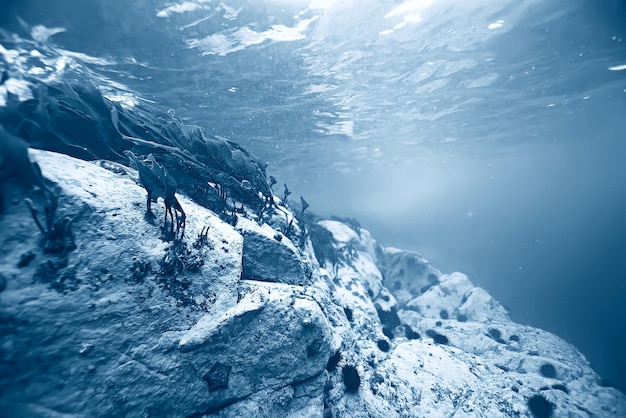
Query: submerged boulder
x=407, y=274
x=270, y=256
x=240, y=322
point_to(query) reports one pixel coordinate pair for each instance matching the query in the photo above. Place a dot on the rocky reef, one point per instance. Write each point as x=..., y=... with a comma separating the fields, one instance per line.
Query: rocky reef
x=278, y=315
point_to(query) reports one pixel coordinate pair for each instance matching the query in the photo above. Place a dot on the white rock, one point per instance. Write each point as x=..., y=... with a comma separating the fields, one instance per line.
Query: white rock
x=104, y=331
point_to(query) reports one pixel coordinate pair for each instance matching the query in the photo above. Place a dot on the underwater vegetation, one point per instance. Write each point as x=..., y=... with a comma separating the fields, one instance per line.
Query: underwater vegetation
x=334, y=360
x=159, y=183
x=19, y=176
x=77, y=120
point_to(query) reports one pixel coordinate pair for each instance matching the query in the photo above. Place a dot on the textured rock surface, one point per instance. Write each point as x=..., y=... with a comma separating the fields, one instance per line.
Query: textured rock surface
x=267, y=258
x=131, y=324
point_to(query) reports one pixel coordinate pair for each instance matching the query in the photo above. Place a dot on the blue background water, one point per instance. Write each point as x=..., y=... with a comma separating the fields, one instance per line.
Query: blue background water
x=489, y=136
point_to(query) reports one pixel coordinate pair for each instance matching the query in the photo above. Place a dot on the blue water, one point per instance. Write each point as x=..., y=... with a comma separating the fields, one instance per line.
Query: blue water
x=487, y=135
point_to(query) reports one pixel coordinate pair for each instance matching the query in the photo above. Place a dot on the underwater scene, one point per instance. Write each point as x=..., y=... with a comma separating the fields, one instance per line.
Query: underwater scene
x=312, y=208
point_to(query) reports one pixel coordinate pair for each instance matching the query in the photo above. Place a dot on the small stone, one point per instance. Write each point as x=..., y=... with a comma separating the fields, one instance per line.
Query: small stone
x=85, y=349
x=217, y=377
x=25, y=259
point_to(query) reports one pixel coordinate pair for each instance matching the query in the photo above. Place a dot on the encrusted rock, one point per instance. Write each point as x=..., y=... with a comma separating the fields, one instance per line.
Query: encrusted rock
x=131, y=324
x=266, y=258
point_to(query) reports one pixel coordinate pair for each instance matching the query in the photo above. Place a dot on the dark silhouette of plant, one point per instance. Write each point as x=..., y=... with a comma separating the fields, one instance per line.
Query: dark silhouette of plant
x=304, y=205
x=159, y=183
x=203, y=239
x=267, y=205
x=76, y=119
x=180, y=260
x=58, y=237
x=334, y=360
x=303, y=222
x=324, y=244
x=288, y=230
x=286, y=194
x=15, y=163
